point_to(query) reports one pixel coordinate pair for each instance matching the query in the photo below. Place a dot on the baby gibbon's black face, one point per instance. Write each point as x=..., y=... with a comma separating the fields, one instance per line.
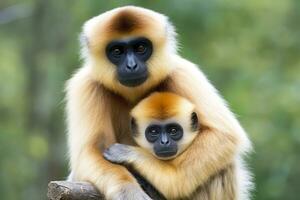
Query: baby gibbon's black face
x=164, y=138
x=130, y=58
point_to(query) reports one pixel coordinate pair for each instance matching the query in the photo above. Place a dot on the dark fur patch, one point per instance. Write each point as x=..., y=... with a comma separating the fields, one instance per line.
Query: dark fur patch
x=146, y=185
x=133, y=127
x=194, y=122
x=125, y=21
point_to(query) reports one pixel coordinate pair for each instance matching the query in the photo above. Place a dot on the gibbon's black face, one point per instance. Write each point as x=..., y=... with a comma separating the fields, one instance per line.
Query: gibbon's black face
x=130, y=58
x=164, y=138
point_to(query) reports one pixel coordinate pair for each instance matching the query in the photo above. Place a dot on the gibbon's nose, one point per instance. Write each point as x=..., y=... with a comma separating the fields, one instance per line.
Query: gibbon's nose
x=131, y=63
x=164, y=139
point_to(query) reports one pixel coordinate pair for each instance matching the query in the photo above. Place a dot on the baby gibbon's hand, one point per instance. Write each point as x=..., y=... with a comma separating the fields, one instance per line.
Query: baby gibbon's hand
x=119, y=153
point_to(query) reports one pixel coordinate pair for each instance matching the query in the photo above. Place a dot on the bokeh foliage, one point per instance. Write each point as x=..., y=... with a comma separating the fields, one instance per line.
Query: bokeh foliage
x=250, y=50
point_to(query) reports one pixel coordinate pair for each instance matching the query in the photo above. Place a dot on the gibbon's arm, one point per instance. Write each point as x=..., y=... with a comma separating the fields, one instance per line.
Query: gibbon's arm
x=217, y=145
x=89, y=127
x=221, y=139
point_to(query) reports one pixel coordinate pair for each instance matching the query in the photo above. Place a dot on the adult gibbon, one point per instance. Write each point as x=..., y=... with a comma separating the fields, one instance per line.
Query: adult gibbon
x=128, y=53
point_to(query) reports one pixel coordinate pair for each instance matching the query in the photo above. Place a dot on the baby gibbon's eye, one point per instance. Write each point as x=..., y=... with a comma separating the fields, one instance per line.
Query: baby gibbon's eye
x=152, y=133
x=117, y=51
x=173, y=131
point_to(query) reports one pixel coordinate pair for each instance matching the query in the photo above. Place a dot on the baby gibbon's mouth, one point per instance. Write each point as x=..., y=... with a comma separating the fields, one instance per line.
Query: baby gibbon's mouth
x=165, y=154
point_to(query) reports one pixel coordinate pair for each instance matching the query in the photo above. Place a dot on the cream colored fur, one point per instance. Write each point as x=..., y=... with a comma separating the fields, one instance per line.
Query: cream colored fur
x=98, y=114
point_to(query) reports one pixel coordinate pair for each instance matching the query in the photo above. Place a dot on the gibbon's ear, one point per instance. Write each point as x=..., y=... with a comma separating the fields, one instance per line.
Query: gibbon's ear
x=133, y=127
x=194, y=121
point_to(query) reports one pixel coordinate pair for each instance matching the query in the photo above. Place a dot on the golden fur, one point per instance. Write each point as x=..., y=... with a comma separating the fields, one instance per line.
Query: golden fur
x=161, y=106
x=98, y=111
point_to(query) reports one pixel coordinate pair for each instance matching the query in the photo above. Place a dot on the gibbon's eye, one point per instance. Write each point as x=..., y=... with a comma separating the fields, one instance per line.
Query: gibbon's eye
x=117, y=51
x=175, y=131
x=141, y=48
x=152, y=133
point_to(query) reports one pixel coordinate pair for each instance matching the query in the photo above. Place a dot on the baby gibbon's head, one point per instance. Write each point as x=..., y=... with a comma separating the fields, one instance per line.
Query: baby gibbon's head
x=165, y=124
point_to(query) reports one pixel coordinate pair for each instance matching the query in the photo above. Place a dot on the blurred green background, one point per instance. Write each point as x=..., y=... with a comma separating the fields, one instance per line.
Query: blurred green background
x=250, y=50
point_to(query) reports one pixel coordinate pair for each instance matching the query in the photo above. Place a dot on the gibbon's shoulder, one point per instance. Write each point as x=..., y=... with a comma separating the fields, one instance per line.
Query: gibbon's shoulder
x=186, y=71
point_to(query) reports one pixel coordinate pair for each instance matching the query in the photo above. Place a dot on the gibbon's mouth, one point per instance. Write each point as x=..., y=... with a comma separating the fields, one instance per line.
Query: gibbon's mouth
x=165, y=154
x=133, y=81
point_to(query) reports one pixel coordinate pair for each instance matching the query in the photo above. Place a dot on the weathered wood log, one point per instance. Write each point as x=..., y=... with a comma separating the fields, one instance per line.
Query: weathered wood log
x=65, y=190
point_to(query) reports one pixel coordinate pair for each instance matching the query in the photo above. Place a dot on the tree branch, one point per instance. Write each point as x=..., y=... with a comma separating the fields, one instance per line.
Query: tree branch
x=65, y=190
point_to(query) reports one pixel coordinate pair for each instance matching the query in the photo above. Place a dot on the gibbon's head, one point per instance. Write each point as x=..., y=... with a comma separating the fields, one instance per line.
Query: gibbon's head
x=165, y=124
x=128, y=49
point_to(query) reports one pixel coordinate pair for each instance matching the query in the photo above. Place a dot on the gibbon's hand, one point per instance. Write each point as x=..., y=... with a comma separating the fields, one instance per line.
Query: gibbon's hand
x=119, y=153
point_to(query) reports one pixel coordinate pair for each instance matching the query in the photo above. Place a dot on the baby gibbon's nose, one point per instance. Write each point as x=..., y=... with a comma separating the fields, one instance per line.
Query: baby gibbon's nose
x=164, y=139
